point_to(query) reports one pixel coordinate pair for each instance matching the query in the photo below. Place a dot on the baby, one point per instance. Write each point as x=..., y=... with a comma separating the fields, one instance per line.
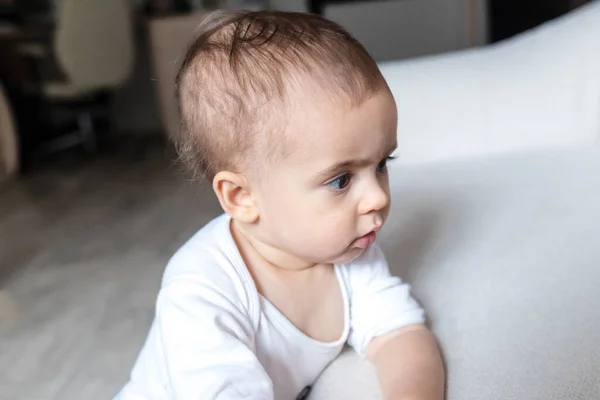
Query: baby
x=291, y=121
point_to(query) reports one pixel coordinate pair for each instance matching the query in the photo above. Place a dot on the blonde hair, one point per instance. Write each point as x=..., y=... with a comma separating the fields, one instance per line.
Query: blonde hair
x=242, y=69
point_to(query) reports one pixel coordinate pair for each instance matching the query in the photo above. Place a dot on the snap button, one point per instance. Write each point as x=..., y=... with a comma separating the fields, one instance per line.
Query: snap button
x=304, y=393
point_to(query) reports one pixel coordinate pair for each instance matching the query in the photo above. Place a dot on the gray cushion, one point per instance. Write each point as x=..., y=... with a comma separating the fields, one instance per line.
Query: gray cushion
x=505, y=256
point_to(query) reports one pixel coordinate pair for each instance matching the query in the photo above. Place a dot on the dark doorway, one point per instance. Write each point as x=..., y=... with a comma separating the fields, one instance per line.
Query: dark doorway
x=510, y=17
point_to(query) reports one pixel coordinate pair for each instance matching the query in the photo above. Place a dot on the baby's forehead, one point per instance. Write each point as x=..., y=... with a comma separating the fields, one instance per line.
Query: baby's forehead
x=332, y=130
x=314, y=128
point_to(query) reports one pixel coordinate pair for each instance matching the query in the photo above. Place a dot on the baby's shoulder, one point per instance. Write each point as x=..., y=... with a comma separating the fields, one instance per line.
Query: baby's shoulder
x=372, y=259
x=370, y=266
x=209, y=259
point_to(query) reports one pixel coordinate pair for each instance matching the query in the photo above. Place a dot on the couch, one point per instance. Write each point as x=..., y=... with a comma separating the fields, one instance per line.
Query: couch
x=496, y=214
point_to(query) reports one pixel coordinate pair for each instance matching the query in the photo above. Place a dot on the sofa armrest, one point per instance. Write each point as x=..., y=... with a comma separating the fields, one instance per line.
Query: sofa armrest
x=538, y=89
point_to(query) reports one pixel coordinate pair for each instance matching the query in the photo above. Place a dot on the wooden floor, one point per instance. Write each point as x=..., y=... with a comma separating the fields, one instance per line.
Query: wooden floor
x=83, y=244
x=73, y=209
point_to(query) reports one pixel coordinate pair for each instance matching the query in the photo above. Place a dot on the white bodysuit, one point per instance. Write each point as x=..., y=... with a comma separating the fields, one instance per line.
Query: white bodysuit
x=215, y=337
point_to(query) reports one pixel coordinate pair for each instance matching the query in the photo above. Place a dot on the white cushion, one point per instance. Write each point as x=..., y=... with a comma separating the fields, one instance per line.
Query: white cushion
x=504, y=255
x=540, y=89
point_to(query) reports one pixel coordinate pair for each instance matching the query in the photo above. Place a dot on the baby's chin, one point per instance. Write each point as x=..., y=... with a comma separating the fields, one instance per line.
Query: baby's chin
x=351, y=254
x=341, y=255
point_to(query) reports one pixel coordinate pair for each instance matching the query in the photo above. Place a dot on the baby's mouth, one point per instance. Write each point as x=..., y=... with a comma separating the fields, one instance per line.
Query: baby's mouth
x=364, y=241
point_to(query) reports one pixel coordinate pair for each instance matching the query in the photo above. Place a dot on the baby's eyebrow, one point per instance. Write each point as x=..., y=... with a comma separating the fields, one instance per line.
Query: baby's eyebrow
x=348, y=164
x=341, y=166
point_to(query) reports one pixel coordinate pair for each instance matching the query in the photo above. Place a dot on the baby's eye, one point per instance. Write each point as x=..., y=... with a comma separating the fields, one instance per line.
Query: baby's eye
x=383, y=163
x=339, y=183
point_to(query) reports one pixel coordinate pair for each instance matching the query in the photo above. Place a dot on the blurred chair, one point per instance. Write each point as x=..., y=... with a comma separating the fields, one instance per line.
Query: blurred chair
x=9, y=155
x=94, y=49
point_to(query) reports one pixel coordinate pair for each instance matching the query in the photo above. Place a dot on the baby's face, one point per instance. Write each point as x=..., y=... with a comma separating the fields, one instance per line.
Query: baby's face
x=324, y=202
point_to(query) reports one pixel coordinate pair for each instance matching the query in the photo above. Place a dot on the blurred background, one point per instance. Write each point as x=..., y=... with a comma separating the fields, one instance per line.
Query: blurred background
x=86, y=75
x=89, y=187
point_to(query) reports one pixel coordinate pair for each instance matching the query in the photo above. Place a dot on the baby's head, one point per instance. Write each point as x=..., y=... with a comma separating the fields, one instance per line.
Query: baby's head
x=290, y=119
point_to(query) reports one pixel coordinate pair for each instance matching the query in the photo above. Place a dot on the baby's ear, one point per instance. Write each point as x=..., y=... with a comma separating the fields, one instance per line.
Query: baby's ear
x=234, y=194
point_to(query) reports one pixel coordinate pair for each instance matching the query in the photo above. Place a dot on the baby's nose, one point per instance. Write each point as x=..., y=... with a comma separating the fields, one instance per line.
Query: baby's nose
x=375, y=199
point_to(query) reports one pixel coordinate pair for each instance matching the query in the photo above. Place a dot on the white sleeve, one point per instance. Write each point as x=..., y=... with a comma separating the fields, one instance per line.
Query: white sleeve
x=207, y=343
x=379, y=302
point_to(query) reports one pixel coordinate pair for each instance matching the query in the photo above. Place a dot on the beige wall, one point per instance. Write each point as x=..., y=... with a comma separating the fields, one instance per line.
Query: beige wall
x=170, y=39
x=135, y=105
x=389, y=29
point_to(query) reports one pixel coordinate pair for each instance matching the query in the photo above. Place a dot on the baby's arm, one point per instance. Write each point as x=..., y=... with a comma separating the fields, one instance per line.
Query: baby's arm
x=206, y=341
x=408, y=363
x=387, y=326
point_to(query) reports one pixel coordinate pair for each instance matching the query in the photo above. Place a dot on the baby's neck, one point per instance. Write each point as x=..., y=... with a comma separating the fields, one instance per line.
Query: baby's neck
x=319, y=315
x=257, y=253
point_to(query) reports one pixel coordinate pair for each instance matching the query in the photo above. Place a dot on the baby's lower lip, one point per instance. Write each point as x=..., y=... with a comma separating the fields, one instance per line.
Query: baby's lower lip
x=364, y=241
